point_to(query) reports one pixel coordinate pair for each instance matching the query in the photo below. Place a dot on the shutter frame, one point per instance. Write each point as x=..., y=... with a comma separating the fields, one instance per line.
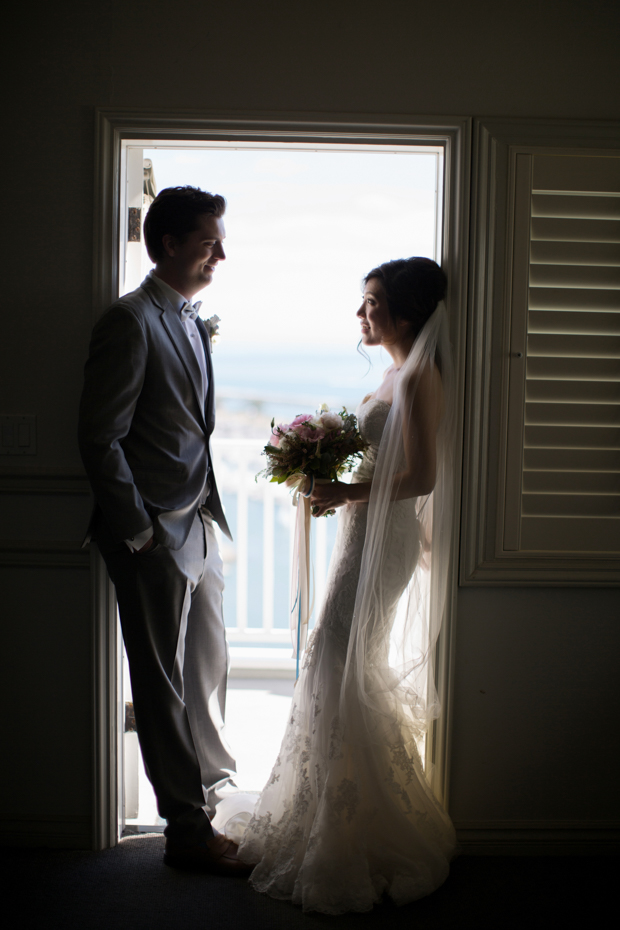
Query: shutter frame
x=498, y=381
x=560, y=511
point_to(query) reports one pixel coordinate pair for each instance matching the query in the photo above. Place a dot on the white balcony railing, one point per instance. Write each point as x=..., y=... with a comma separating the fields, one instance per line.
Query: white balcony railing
x=257, y=564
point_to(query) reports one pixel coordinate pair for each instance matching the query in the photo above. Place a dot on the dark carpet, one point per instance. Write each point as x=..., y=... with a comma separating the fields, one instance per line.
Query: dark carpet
x=130, y=887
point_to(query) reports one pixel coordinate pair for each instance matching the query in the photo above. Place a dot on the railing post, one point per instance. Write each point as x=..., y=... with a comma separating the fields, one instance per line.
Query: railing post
x=268, y=557
x=242, y=542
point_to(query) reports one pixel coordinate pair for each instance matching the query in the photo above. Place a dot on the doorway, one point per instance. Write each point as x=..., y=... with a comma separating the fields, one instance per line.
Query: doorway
x=304, y=225
x=352, y=203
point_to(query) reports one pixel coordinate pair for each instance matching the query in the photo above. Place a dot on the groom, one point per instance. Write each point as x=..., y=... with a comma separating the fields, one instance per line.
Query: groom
x=146, y=417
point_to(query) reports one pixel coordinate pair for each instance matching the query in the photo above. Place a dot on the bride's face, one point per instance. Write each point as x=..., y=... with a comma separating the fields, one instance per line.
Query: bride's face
x=374, y=315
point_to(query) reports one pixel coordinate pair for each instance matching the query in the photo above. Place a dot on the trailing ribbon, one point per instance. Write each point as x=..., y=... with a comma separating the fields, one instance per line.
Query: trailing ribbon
x=301, y=602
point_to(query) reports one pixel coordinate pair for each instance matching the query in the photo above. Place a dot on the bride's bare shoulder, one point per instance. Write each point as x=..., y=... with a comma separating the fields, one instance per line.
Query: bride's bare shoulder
x=385, y=391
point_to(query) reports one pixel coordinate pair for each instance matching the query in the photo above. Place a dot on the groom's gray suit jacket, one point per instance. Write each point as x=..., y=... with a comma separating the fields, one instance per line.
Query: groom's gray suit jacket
x=144, y=431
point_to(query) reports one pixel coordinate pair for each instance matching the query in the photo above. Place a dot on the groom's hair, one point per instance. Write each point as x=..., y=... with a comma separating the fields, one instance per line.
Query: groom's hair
x=175, y=212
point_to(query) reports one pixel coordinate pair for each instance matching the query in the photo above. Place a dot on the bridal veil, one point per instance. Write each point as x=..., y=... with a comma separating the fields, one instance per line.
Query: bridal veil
x=390, y=660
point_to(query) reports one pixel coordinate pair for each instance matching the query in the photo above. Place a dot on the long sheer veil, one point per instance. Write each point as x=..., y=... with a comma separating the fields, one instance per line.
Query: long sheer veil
x=348, y=813
x=389, y=670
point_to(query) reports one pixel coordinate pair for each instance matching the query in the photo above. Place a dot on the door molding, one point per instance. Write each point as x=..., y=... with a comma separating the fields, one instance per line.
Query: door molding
x=115, y=126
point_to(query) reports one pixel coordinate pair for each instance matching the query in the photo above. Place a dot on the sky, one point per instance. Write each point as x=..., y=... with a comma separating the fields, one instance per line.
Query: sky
x=303, y=228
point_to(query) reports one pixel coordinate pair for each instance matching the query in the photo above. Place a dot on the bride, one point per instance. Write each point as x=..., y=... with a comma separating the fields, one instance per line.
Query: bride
x=347, y=814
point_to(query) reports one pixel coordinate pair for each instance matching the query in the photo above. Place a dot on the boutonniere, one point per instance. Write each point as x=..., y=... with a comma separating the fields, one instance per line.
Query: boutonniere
x=212, y=327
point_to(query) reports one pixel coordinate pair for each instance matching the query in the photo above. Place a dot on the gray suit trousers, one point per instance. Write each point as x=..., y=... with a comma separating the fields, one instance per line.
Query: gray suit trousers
x=170, y=605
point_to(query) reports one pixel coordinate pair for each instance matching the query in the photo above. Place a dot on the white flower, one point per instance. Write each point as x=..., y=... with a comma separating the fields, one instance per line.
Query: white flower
x=212, y=327
x=324, y=408
x=331, y=420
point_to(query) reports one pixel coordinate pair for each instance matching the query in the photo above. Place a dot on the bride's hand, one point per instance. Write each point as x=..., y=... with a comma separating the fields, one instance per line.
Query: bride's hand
x=327, y=497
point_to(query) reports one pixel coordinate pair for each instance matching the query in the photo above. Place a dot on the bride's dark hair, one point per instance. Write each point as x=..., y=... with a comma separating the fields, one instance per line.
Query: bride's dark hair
x=413, y=287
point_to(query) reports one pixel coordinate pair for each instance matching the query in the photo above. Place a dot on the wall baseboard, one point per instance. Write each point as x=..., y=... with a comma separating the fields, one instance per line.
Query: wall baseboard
x=538, y=838
x=69, y=832
x=494, y=838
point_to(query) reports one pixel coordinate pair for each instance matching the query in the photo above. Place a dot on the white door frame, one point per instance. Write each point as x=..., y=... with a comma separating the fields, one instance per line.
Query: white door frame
x=112, y=128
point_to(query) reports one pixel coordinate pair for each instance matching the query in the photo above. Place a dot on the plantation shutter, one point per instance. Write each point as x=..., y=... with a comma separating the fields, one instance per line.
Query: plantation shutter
x=562, y=482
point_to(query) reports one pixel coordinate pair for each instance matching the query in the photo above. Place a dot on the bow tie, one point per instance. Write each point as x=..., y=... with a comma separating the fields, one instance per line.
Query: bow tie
x=190, y=313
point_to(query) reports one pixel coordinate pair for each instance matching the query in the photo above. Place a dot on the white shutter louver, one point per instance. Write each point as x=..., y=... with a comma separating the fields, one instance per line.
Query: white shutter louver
x=562, y=490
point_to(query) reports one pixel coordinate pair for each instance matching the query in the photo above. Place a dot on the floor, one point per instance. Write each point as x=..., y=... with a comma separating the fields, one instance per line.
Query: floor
x=129, y=888
x=256, y=713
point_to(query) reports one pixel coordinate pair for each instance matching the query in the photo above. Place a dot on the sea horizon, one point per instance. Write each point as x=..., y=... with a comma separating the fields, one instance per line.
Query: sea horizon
x=278, y=379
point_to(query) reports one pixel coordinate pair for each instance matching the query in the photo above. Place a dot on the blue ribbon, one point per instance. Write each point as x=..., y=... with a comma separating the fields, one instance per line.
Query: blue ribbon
x=297, y=600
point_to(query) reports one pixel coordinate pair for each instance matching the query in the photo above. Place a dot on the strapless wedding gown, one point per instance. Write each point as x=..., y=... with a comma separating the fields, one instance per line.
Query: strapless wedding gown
x=341, y=822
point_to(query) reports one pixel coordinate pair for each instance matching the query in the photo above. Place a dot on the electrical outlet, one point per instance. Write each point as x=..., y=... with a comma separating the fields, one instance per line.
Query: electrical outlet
x=18, y=435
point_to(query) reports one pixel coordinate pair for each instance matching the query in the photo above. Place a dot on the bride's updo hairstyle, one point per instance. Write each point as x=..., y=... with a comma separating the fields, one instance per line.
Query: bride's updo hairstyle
x=413, y=287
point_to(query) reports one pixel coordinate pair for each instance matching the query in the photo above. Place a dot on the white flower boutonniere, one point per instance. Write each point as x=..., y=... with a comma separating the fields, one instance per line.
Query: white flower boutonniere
x=212, y=327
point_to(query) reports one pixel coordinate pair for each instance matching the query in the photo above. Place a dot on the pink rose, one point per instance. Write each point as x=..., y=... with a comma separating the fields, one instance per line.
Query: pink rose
x=302, y=418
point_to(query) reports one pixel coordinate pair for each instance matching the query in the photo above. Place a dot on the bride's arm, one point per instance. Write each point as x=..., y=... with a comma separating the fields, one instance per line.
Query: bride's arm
x=423, y=409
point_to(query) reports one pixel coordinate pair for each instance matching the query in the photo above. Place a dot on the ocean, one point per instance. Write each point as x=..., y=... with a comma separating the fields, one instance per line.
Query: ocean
x=282, y=378
x=254, y=384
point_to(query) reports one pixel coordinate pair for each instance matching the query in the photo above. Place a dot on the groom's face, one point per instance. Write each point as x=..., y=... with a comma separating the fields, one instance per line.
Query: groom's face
x=195, y=258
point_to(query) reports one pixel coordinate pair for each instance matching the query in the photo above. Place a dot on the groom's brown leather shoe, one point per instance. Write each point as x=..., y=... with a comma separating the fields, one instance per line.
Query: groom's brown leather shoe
x=216, y=855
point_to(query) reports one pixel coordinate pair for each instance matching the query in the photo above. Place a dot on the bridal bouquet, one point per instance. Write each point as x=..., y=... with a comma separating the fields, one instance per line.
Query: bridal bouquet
x=323, y=446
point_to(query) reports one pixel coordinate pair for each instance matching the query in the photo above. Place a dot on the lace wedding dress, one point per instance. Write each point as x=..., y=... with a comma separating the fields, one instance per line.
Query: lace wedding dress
x=347, y=814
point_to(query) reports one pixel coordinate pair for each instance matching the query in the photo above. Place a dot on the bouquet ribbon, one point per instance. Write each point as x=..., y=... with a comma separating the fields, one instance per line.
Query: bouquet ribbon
x=301, y=601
